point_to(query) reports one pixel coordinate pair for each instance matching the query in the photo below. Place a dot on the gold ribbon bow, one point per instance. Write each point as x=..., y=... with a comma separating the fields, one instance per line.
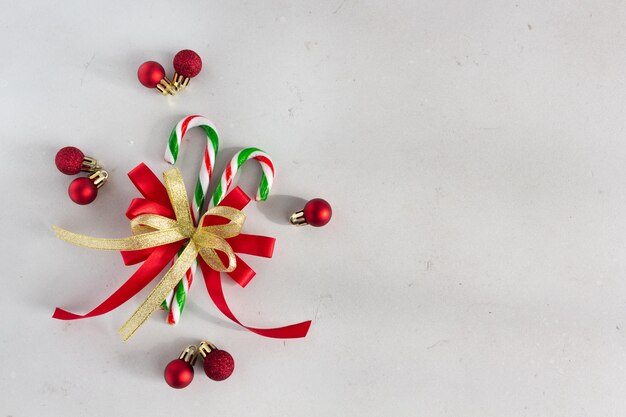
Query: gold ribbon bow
x=152, y=230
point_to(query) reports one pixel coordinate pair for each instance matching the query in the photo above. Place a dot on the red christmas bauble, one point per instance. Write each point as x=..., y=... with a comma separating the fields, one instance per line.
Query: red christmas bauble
x=187, y=63
x=69, y=160
x=218, y=365
x=178, y=373
x=317, y=212
x=82, y=191
x=150, y=73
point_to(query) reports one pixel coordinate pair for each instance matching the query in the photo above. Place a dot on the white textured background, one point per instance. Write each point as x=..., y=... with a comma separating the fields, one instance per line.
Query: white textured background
x=473, y=152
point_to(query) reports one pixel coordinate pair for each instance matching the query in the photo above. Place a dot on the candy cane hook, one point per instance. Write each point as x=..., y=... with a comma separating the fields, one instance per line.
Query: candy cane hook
x=240, y=158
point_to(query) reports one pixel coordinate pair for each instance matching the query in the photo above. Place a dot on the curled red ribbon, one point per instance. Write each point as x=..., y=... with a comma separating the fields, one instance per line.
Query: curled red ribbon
x=156, y=201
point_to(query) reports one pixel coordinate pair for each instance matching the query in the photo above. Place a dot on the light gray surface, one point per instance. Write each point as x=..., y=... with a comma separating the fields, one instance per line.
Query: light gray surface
x=473, y=153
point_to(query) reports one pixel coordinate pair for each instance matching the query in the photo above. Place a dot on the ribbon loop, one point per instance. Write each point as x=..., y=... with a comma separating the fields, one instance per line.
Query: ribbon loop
x=207, y=251
x=151, y=221
x=138, y=242
x=178, y=197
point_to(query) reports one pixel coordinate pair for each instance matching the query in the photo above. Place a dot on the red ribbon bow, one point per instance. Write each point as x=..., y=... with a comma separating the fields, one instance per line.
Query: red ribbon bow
x=156, y=201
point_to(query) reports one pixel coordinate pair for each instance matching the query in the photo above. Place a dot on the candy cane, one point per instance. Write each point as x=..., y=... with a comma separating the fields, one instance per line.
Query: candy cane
x=206, y=170
x=240, y=158
x=175, y=302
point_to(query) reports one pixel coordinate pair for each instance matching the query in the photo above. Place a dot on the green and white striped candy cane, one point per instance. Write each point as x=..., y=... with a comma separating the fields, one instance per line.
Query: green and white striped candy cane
x=175, y=302
x=240, y=158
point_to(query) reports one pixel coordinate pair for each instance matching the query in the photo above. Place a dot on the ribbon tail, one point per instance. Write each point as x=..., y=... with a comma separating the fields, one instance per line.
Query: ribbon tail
x=213, y=284
x=137, y=242
x=253, y=245
x=154, y=264
x=158, y=294
x=242, y=274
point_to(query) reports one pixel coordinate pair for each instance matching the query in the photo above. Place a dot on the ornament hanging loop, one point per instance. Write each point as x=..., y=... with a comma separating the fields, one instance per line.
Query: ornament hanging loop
x=204, y=348
x=99, y=178
x=90, y=164
x=179, y=82
x=165, y=87
x=298, y=219
x=189, y=355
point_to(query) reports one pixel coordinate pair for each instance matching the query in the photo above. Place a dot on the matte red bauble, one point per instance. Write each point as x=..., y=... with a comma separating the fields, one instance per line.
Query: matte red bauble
x=82, y=191
x=178, y=373
x=316, y=212
x=150, y=74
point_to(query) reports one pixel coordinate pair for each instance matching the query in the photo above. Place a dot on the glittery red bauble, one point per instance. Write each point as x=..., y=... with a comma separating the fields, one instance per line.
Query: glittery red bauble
x=150, y=73
x=187, y=63
x=317, y=212
x=218, y=365
x=82, y=191
x=178, y=373
x=69, y=160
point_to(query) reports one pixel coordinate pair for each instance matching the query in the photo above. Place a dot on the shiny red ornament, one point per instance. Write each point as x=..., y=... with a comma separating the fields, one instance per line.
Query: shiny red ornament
x=316, y=212
x=82, y=191
x=187, y=63
x=150, y=74
x=178, y=373
x=218, y=365
x=69, y=160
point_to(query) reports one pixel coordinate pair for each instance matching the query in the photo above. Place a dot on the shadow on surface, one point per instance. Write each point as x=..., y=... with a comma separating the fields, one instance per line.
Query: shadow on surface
x=278, y=208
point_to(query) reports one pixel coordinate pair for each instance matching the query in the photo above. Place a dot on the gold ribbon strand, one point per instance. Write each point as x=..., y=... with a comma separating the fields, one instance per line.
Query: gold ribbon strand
x=152, y=230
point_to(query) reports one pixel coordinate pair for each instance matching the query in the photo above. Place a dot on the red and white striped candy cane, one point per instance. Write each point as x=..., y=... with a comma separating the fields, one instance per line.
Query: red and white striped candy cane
x=175, y=302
